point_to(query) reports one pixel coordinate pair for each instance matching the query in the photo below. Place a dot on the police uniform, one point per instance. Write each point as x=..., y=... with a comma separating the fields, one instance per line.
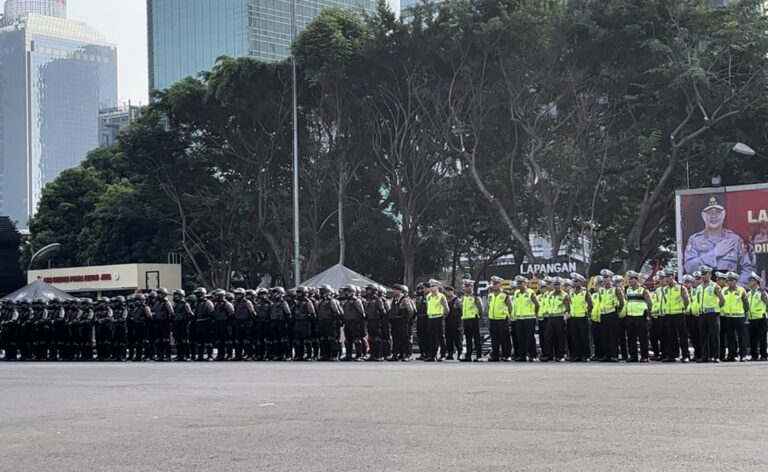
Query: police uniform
x=555, y=330
x=420, y=302
x=119, y=330
x=354, y=320
x=470, y=320
x=374, y=319
x=261, y=325
x=595, y=328
x=733, y=317
x=709, y=320
x=692, y=315
x=610, y=305
x=525, y=304
x=453, y=339
x=302, y=314
x=498, y=318
x=757, y=320
x=578, y=327
x=435, y=314
x=673, y=308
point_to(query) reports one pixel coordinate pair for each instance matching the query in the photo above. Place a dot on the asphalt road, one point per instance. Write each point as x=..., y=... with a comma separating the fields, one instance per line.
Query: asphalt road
x=382, y=417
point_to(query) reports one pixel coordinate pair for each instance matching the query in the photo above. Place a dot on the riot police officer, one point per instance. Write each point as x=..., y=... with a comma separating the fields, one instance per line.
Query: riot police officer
x=328, y=315
x=354, y=319
x=262, y=305
x=182, y=313
x=399, y=315
x=243, y=324
x=374, y=318
x=102, y=319
x=85, y=329
x=138, y=321
x=420, y=301
x=279, y=312
x=25, y=333
x=72, y=347
x=204, y=325
x=9, y=320
x=40, y=329
x=453, y=337
x=163, y=314
x=119, y=328
x=222, y=314
x=58, y=340
x=302, y=313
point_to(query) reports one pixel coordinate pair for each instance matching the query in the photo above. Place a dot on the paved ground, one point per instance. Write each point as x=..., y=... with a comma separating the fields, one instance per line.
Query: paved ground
x=317, y=417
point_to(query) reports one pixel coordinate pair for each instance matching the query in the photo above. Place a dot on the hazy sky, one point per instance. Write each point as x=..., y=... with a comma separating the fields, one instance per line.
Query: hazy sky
x=124, y=23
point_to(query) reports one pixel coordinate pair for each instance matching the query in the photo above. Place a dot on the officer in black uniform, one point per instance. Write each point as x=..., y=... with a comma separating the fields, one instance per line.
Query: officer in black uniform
x=314, y=297
x=374, y=318
x=261, y=325
x=328, y=314
x=279, y=312
x=26, y=329
x=399, y=315
x=58, y=338
x=302, y=312
x=203, y=325
x=163, y=314
x=42, y=329
x=85, y=329
x=453, y=336
x=354, y=321
x=250, y=337
x=119, y=328
x=243, y=324
x=420, y=301
x=151, y=348
x=9, y=320
x=192, y=328
x=182, y=313
x=139, y=319
x=222, y=314
x=102, y=320
x=72, y=347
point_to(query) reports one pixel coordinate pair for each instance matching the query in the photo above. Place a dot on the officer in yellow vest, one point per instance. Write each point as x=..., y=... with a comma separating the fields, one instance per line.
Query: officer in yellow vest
x=674, y=303
x=657, y=321
x=578, y=326
x=758, y=301
x=499, y=309
x=611, y=303
x=692, y=313
x=733, y=318
x=471, y=310
x=437, y=308
x=710, y=302
x=544, y=295
x=595, y=328
x=526, y=306
x=722, y=280
x=638, y=304
x=558, y=310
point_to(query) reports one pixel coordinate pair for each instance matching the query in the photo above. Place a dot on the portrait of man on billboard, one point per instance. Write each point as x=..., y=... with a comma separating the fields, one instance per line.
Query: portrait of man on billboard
x=716, y=246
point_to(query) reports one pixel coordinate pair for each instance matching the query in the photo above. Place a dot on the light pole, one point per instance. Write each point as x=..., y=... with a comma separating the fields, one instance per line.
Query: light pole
x=745, y=150
x=296, y=261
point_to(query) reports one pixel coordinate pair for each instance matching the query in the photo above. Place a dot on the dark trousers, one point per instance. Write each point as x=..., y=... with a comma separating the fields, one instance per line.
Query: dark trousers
x=435, y=337
x=119, y=340
x=526, y=339
x=163, y=339
x=375, y=338
x=542, y=336
x=609, y=335
x=692, y=326
x=513, y=336
x=757, y=339
x=500, y=339
x=657, y=337
x=221, y=334
x=453, y=339
x=242, y=336
x=400, y=338
x=578, y=333
x=555, y=335
x=736, y=336
x=637, y=331
x=137, y=333
x=204, y=334
x=421, y=333
x=472, y=335
x=597, y=345
x=676, y=337
x=623, y=337
x=709, y=335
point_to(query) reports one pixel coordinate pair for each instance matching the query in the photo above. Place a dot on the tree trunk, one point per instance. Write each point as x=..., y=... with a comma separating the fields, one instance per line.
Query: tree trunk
x=409, y=258
x=342, y=197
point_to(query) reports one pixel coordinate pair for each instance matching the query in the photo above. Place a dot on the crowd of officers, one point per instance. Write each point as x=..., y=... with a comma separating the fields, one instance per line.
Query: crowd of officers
x=618, y=318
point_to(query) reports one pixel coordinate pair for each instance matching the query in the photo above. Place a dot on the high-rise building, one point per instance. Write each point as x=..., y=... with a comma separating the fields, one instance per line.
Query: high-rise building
x=55, y=76
x=112, y=120
x=187, y=36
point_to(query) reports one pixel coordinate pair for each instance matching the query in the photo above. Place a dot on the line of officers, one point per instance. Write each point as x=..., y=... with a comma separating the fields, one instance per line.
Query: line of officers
x=617, y=319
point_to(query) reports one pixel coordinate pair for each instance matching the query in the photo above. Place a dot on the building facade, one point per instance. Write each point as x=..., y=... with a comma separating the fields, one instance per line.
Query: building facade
x=186, y=37
x=55, y=76
x=113, y=120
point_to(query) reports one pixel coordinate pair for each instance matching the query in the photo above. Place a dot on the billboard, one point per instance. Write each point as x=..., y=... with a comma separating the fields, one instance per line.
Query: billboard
x=725, y=228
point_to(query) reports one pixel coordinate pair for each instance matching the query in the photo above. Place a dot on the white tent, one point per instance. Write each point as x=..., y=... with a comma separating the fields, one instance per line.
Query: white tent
x=337, y=277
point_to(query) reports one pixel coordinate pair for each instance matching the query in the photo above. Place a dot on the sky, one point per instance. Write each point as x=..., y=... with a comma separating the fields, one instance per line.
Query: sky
x=124, y=23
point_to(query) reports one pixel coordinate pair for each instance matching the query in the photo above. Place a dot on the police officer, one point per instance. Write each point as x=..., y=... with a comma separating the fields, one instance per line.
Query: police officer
x=471, y=311
x=139, y=319
x=302, y=313
x=203, y=325
x=72, y=343
x=674, y=303
x=279, y=313
x=119, y=328
x=526, y=306
x=733, y=316
x=710, y=302
x=222, y=314
x=314, y=298
x=420, y=301
x=9, y=320
x=85, y=328
x=437, y=308
x=163, y=314
x=543, y=314
x=58, y=332
x=578, y=324
x=453, y=339
x=102, y=319
x=595, y=327
x=638, y=304
x=559, y=308
x=328, y=315
x=611, y=303
x=758, y=300
x=375, y=313
x=354, y=319
x=386, y=334
x=499, y=309
x=400, y=314
x=243, y=324
x=182, y=313
x=262, y=305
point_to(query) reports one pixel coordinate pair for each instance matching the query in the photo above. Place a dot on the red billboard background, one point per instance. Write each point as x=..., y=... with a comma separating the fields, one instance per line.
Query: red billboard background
x=746, y=215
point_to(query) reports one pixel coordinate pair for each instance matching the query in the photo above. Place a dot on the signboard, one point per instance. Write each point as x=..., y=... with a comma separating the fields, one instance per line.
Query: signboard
x=725, y=228
x=112, y=277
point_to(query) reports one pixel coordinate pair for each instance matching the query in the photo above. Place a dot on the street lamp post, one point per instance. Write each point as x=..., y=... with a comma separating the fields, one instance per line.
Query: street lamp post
x=745, y=150
x=296, y=261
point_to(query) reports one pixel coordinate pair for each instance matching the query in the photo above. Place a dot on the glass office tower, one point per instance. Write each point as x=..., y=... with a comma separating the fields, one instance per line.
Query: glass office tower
x=186, y=36
x=55, y=75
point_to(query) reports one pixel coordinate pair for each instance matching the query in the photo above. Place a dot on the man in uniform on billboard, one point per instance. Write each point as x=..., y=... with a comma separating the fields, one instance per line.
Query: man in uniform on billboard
x=716, y=246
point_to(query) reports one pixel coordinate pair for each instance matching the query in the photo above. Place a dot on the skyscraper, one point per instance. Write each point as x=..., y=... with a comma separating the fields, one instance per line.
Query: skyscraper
x=55, y=75
x=186, y=36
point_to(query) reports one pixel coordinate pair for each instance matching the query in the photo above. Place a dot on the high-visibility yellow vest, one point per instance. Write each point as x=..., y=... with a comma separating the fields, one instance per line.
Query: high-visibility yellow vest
x=757, y=308
x=635, y=301
x=512, y=311
x=597, y=308
x=435, y=308
x=579, y=304
x=609, y=300
x=469, y=309
x=693, y=306
x=708, y=301
x=656, y=303
x=523, y=304
x=557, y=304
x=497, y=306
x=672, y=300
x=544, y=304
x=734, y=307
